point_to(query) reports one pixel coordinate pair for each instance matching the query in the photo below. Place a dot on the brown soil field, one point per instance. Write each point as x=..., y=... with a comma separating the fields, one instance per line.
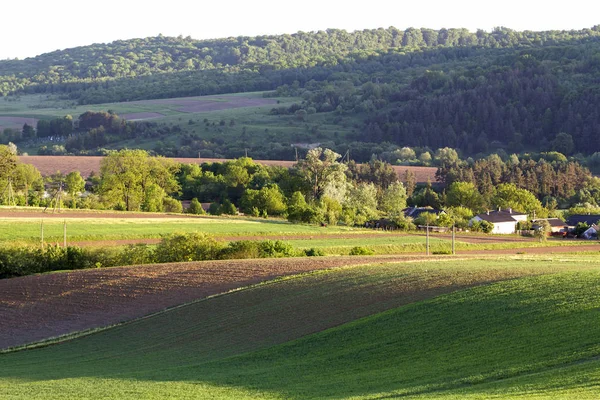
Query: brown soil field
x=16, y=122
x=141, y=116
x=48, y=165
x=43, y=306
x=38, y=307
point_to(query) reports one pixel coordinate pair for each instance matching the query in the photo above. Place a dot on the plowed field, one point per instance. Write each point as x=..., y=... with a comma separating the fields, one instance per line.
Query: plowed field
x=48, y=165
x=43, y=306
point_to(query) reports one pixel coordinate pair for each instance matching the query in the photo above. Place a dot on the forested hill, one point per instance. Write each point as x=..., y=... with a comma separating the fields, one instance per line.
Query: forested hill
x=381, y=89
x=75, y=70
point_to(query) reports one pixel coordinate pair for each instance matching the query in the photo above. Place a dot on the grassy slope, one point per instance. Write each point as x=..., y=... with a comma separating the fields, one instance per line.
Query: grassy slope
x=473, y=342
x=260, y=126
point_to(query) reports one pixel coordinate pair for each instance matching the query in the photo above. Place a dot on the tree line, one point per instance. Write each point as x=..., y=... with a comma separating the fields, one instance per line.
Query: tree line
x=320, y=189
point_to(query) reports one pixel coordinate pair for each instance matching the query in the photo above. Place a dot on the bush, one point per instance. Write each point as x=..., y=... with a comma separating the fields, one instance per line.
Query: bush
x=215, y=209
x=312, y=252
x=482, y=226
x=228, y=208
x=196, y=207
x=135, y=254
x=179, y=247
x=240, y=249
x=276, y=249
x=361, y=251
x=172, y=205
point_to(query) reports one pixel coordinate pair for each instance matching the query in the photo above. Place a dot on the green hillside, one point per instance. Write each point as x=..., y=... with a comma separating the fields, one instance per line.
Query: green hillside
x=371, y=91
x=532, y=337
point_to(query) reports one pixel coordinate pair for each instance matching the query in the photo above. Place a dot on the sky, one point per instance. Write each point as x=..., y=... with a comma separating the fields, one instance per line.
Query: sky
x=33, y=27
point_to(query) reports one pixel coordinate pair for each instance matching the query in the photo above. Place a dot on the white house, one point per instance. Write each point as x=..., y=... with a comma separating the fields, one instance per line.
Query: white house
x=505, y=221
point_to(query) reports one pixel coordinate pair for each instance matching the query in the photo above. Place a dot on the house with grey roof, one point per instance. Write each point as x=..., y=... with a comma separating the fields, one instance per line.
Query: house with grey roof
x=504, y=221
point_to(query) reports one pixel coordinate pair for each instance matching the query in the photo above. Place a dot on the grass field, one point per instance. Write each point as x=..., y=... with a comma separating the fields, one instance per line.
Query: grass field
x=519, y=328
x=90, y=229
x=253, y=123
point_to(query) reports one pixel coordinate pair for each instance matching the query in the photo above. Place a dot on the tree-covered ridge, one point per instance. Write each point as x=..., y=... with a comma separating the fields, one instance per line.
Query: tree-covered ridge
x=155, y=55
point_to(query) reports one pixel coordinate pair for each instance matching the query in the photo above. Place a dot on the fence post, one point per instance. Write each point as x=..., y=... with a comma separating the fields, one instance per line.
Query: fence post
x=453, y=238
x=427, y=240
x=65, y=233
x=42, y=233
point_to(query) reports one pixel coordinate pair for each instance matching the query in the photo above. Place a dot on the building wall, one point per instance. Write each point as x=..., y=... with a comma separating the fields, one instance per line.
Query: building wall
x=505, y=227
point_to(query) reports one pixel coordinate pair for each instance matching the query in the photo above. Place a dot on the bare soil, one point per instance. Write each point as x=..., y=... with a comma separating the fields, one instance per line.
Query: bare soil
x=141, y=116
x=43, y=306
x=48, y=165
x=38, y=307
x=16, y=122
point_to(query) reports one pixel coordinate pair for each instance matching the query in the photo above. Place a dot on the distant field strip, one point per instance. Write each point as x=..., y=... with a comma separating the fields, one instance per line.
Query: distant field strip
x=271, y=341
x=81, y=229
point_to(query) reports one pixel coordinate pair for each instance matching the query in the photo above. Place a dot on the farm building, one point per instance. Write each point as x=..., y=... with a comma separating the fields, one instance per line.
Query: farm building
x=505, y=221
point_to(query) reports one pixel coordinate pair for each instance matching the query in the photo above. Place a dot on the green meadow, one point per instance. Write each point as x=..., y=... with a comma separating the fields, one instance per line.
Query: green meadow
x=465, y=328
x=91, y=229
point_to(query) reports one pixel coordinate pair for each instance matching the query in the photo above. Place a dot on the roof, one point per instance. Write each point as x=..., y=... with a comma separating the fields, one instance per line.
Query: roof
x=500, y=215
x=554, y=222
x=414, y=212
x=495, y=217
x=590, y=219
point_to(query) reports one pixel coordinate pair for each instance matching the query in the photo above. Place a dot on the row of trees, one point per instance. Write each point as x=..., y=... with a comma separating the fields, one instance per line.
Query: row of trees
x=319, y=189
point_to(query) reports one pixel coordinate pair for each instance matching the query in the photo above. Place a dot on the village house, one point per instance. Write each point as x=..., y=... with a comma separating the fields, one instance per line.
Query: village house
x=505, y=221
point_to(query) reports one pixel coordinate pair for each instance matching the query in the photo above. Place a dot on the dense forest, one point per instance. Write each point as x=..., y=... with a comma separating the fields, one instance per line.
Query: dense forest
x=479, y=92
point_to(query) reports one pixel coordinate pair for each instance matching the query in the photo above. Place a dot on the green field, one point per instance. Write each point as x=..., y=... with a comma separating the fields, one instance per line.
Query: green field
x=94, y=229
x=395, y=330
x=253, y=125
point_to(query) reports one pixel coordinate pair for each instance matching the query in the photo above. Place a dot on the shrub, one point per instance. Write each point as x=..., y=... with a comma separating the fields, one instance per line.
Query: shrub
x=482, y=226
x=215, y=209
x=361, y=251
x=312, y=252
x=196, y=207
x=228, y=208
x=276, y=249
x=172, y=205
x=135, y=254
x=180, y=247
x=240, y=249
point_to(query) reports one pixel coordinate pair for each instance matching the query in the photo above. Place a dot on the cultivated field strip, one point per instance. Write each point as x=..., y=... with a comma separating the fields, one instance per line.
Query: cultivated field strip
x=39, y=307
x=242, y=345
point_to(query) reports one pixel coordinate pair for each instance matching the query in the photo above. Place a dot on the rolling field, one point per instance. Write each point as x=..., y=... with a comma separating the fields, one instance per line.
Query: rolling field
x=524, y=327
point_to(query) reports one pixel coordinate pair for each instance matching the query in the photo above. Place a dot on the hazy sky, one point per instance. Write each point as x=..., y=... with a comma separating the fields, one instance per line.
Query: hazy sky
x=29, y=28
